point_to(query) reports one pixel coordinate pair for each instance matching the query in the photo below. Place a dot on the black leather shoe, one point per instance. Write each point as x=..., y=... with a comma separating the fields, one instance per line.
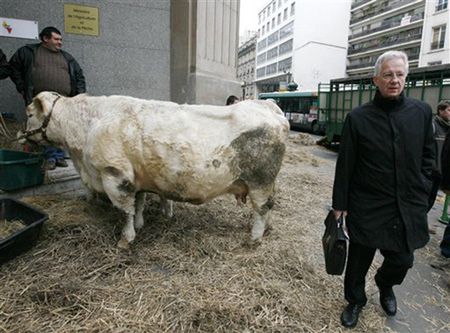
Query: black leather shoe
x=350, y=315
x=388, y=301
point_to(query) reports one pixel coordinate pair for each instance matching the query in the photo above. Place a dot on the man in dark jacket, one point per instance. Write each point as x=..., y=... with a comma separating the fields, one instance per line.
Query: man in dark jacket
x=5, y=68
x=46, y=67
x=382, y=184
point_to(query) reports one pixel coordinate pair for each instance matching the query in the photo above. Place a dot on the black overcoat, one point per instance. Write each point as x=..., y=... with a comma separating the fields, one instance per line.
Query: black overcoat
x=383, y=173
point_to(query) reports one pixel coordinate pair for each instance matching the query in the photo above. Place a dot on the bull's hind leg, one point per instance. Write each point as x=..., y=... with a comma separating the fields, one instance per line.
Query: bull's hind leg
x=122, y=194
x=166, y=206
x=140, y=204
x=262, y=202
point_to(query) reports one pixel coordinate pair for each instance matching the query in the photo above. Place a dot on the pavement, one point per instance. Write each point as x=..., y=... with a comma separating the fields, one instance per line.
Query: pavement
x=423, y=298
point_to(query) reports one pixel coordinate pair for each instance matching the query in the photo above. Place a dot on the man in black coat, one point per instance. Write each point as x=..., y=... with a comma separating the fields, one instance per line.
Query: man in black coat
x=382, y=184
x=46, y=67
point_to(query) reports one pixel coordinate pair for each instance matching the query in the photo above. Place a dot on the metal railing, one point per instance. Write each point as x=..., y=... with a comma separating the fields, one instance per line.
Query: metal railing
x=381, y=9
x=412, y=56
x=386, y=43
x=359, y=3
x=385, y=26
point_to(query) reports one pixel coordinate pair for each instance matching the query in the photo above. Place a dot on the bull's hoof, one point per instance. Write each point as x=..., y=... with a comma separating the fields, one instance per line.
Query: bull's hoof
x=252, y=243
x=123, y=244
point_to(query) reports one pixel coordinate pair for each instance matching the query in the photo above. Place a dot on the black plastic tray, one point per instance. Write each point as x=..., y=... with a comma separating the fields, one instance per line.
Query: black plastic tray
x=25, y=238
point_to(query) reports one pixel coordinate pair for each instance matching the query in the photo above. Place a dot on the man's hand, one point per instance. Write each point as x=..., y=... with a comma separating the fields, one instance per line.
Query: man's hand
x=338, y=213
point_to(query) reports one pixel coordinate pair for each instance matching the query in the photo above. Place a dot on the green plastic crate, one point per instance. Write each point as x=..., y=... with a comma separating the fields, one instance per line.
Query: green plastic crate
x=20, y=169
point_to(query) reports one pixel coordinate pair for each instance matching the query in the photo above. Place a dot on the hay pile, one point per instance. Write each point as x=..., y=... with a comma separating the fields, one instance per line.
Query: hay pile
x=8, y=227
x=196, y=272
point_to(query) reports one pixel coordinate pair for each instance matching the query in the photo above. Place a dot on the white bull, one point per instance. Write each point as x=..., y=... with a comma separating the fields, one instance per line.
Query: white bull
x=124, y=147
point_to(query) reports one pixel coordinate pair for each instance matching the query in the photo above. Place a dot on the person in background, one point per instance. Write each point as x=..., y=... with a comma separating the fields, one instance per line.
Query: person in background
x=232, y=100
x=5, y=68
x=382, y=185
x=445, y=186
x=46, y=67
x=441, y=124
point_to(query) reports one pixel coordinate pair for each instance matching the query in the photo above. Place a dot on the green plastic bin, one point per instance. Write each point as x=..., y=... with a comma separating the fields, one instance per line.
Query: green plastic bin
x=20, y=169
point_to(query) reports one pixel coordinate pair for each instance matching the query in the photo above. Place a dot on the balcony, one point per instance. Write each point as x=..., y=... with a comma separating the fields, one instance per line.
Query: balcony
x=380, y=10
x=385, y=26
x=386, y=43
x=411, y=57
x=359, y=3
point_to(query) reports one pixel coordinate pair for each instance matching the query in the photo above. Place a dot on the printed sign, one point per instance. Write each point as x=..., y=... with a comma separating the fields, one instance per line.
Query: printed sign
x=81, y=20
x=18, y=28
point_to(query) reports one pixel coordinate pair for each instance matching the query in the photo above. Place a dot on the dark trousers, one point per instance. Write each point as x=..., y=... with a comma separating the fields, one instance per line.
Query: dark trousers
x=392, y=271
x=445, y=244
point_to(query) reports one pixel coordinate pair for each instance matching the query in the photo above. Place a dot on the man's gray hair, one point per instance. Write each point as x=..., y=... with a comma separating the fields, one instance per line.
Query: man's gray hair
x=389, y=55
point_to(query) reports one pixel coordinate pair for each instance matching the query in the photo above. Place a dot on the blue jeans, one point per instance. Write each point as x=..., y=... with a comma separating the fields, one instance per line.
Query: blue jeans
x=52, y=154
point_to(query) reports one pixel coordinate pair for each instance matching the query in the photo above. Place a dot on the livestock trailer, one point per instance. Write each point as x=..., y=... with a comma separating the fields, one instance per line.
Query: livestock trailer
x=429, y=84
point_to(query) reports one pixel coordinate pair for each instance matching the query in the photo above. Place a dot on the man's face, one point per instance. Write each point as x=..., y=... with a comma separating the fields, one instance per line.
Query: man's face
x=53, y=43
x=445, y=114
x=391, y=79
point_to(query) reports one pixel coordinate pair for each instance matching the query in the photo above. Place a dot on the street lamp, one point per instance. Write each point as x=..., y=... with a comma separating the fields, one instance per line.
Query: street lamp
x=243, y=89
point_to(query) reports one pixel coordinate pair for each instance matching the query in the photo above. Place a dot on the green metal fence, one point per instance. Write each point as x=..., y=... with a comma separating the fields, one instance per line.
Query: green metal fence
x=429, y=84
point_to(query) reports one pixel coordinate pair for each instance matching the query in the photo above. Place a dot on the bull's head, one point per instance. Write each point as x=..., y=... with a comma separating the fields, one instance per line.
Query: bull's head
x=39, y=113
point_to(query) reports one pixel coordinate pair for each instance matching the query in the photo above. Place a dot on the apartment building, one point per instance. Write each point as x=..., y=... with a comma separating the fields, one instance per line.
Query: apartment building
x=274, y=44
x=377, y=26
x=435, y=49
x=293, y=45
x=246, y=67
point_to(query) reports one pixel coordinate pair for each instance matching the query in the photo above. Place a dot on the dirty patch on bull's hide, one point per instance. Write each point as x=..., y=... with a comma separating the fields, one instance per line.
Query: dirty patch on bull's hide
x=258, y=156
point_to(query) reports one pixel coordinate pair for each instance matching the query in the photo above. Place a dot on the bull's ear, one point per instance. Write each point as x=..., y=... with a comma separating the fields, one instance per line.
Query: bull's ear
x=44, y=102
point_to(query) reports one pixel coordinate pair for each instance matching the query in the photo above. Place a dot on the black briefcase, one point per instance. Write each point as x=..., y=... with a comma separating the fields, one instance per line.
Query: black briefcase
x=334, y=243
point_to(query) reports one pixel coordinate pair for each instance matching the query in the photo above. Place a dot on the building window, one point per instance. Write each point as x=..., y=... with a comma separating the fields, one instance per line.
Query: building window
x=272, y=38
x=271, y=69
x=273, y=23
x=286, y=47
x=273, y=7
x=441, y=5
x=268, y=11
x=279, y=18
x=279, y=3
x=285, y=65
x=272, y=53
x=264, y=30
x=259, y=19
x=260, y=72
x=285, y=14
x=287, y=30
x=293, y=8
x=268, y=27
x=438, y=37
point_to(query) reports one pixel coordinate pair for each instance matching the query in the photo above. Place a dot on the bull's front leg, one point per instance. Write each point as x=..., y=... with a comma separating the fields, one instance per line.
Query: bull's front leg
x=122, y=194
x=262, y=201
